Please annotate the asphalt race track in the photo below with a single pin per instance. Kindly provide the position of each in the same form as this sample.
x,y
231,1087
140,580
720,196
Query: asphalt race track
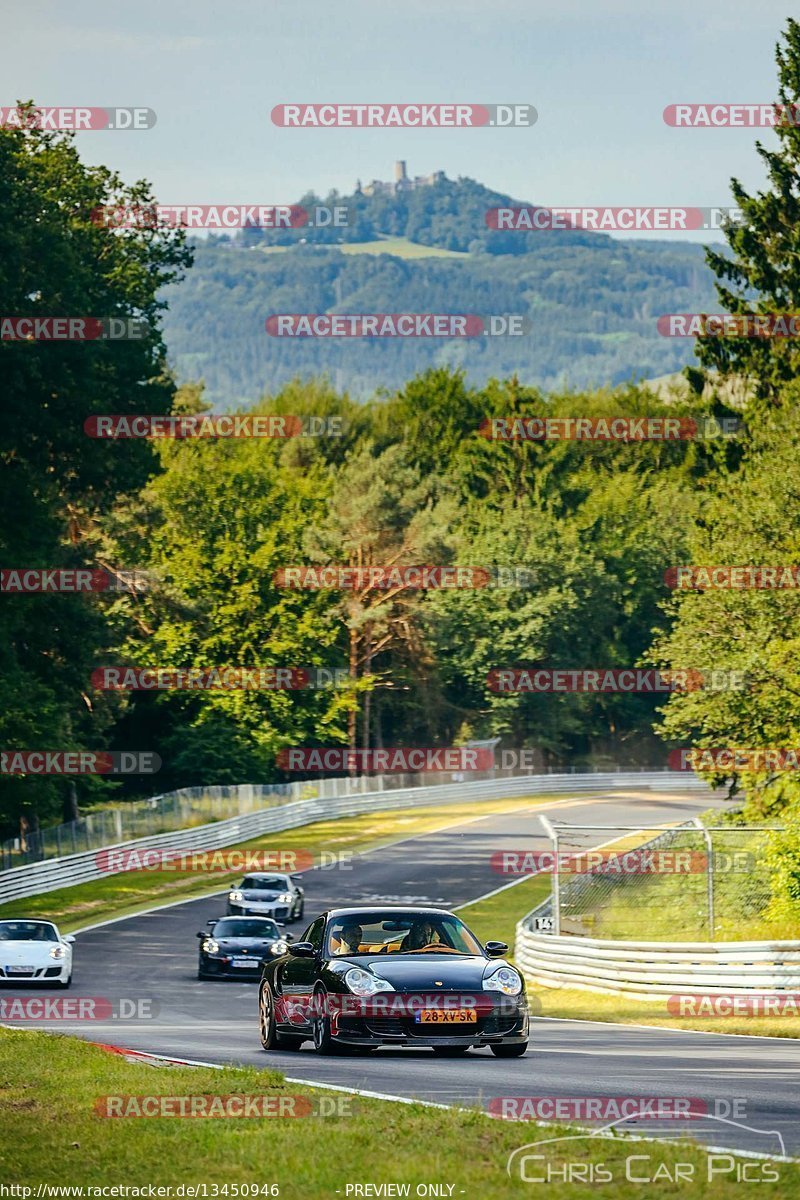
x,y
748,1082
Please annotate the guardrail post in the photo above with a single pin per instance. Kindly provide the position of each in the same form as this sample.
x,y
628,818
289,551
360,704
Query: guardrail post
x,y
555,886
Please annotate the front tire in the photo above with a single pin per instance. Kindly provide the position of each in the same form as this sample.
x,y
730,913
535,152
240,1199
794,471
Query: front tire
x,y
509,1049
324,1043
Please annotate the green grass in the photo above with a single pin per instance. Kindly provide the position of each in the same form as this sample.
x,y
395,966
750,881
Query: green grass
x,y
400,247
134,891
50,1133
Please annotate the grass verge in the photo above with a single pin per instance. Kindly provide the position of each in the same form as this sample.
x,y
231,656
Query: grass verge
x,y
52,1134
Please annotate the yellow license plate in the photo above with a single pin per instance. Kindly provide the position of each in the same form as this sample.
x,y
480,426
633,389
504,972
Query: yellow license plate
x,y
446,1016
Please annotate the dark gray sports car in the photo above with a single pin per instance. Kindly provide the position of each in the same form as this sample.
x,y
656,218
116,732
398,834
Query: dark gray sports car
x,y
368,977
235,946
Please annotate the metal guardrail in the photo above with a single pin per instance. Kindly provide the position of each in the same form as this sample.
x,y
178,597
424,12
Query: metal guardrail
x,y
52,874
648,970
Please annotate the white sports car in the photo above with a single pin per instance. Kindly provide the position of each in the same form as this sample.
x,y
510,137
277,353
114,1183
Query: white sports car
x,y
35,951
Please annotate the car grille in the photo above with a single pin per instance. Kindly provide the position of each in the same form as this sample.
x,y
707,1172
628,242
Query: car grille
x,y
386,1026
498,1022
493,1024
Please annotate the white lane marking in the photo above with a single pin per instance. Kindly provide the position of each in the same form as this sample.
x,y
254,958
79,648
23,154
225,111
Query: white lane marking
x,y
336,1087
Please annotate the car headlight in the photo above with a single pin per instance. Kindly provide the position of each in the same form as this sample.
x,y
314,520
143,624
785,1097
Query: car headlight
x,y
58,952
504,979
236,897
285,898
279,947
362,983
211,947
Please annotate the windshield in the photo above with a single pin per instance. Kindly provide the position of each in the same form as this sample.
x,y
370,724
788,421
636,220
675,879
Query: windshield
x,y
272,884
242,928
27,931
400,933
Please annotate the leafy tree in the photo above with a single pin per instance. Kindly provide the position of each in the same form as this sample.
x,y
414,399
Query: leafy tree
x,y
57,483
753,517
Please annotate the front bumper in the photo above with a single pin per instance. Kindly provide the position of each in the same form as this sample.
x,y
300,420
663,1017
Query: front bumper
x,y
223,968
55,971
243,908
499,1022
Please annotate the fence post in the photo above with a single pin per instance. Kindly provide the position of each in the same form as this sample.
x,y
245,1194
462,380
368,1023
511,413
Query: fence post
x,y
709,874
555,888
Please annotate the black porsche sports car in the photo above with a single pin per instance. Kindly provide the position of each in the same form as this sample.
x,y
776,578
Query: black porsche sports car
x,y
367,977
236,946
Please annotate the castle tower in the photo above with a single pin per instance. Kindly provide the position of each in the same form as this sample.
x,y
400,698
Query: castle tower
x,y
400,175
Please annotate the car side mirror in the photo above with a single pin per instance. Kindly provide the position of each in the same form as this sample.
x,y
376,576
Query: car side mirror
x,y
496,949
69,939
302,950
201,934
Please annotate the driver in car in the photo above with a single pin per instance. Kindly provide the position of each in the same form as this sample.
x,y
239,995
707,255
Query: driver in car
x,y
349,938
421,933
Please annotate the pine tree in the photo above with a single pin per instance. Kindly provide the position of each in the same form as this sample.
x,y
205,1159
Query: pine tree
x,y
763,273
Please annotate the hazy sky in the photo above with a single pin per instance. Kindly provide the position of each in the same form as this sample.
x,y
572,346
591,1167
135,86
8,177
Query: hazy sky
x,y
599,75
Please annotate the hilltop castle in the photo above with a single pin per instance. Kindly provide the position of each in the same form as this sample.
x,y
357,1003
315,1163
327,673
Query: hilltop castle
x,y
402,182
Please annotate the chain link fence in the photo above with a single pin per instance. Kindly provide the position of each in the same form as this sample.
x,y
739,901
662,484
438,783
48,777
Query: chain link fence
x,y
689,882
